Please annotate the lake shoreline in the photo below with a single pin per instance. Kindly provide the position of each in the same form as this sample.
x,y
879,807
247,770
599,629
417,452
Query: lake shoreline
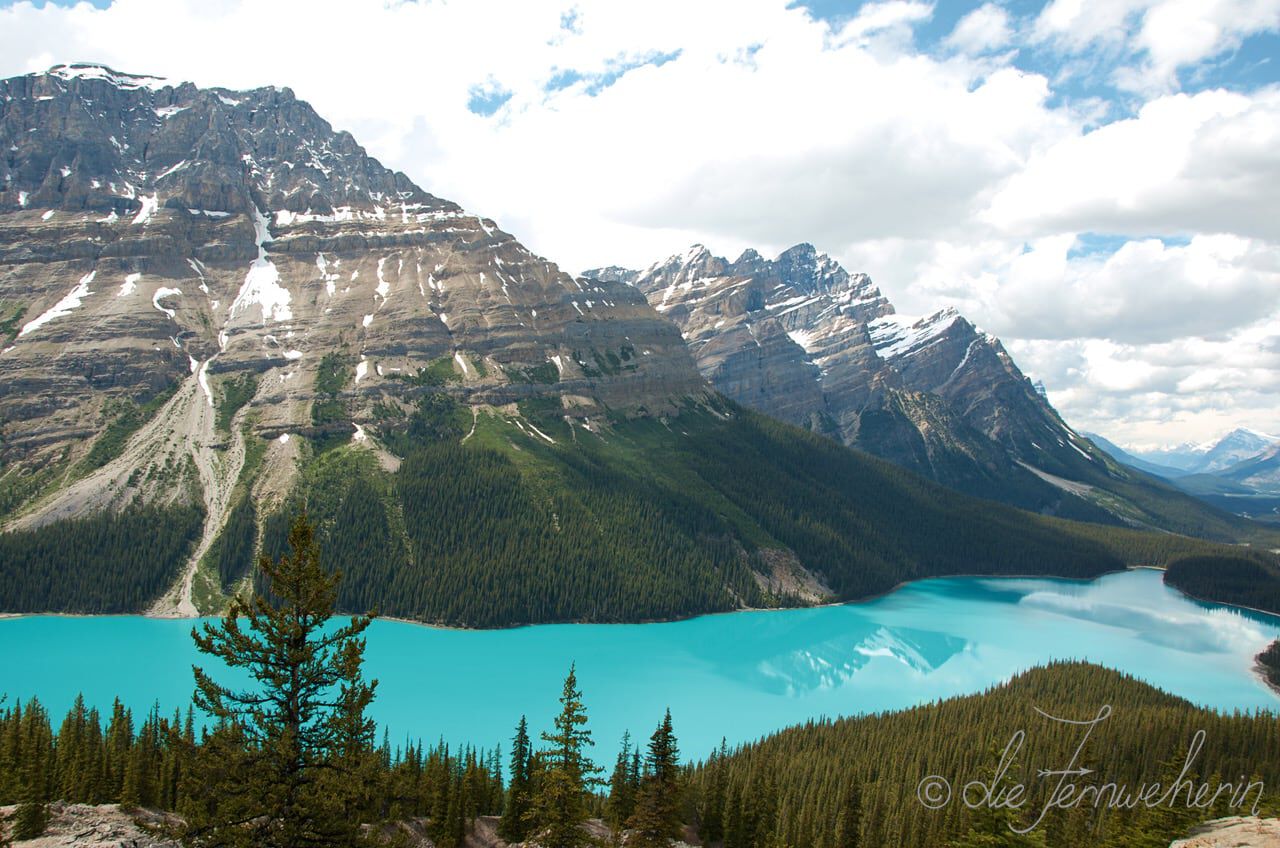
x,y
865,599
1260,671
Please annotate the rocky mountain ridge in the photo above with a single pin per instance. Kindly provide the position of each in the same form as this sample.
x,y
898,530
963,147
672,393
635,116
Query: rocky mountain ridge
x,y
180,267
802,339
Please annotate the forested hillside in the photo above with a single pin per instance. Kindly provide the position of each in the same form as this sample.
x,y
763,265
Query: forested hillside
x,y
507,518
795,788
536,520
103,563
1247,579
827,784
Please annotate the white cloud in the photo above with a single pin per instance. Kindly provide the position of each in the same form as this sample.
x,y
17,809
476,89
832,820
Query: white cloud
x,y
985,28
763,126
1160,37
1184,164
1144,292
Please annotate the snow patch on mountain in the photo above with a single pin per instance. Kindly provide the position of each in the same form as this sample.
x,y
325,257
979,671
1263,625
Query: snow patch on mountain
x,y
65,306
897,335
262,284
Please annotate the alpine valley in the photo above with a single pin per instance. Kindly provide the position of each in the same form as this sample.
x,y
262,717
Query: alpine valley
x,y
216,310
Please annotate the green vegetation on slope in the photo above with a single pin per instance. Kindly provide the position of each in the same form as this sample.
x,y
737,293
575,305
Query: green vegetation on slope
x,y
788,788
231,554
1244,578
1270,662
105,563
124,418
10,320
233,394
330,415
495,519
537,520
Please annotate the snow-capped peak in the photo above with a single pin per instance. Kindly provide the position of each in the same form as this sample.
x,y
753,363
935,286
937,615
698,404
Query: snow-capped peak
x,y
91,70
894,335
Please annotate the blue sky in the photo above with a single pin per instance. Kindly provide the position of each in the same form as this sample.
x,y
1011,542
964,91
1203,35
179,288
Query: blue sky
x,y
1095,181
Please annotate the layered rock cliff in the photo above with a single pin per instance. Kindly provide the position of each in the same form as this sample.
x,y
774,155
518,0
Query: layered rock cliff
x,y
800,338
180,267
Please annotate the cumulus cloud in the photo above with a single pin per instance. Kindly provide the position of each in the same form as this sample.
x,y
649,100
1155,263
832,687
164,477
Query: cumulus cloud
x,y
1157,37
1144,292
985,28
617,131
1184,164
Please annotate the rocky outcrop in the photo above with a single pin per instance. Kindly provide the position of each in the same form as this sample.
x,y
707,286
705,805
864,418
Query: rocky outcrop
x,y
1234,832
802,339
89,826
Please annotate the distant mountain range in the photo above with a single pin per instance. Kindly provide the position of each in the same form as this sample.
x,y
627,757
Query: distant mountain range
x,y
1239,472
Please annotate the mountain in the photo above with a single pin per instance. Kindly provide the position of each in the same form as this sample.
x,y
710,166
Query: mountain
x,y
803,340
1119,454
218,311
1260,473
192,279
1236,446
1240,473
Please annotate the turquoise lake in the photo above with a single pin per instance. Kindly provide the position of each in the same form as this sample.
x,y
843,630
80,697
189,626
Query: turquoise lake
x,y
739,675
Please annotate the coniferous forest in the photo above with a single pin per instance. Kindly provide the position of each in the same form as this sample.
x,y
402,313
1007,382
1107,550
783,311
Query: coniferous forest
x,y
656,519
653,523
104,563
294,760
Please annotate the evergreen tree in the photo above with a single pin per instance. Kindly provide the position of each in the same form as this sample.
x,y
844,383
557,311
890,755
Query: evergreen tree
x,y
849,825
514,825
119,740
276,740
994,825
656,820
32,816
1161,823
622,792
561,803
735,826
711,826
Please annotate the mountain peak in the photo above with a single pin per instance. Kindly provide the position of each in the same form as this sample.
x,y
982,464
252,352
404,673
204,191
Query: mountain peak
x,y
87,137
96,71
1249,433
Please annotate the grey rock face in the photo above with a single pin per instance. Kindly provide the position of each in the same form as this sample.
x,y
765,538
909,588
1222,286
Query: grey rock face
x,y
156,237
801,339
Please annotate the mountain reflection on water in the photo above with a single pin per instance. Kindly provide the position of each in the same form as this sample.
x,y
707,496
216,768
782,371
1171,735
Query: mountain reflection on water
x,y
737,676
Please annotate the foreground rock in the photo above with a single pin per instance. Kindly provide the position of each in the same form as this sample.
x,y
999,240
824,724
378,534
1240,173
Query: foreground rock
x,y
85,826
1235,832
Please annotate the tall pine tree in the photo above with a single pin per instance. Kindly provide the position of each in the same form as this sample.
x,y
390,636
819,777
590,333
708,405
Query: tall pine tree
x,y
568,775
514,824
265,772
622,789
656,820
